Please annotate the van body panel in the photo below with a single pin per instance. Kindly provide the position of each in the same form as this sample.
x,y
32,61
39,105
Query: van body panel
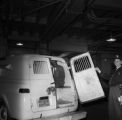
x,y
17,103
66,116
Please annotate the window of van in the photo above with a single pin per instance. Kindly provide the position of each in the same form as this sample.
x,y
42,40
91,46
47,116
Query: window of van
x,y
82,64
40,67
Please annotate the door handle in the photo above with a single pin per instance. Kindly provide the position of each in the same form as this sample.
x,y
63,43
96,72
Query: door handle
x,y
52,83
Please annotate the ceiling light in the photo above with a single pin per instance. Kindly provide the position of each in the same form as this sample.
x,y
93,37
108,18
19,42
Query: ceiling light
x,y
19,44
111,40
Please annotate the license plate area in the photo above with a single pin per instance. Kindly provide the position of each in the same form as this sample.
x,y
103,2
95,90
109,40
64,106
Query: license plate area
x,y
43,101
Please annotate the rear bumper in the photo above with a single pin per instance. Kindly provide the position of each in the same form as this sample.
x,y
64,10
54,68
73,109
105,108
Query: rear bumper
x,y
68,116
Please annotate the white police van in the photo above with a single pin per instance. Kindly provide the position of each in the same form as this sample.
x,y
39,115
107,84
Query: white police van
x,y
28,89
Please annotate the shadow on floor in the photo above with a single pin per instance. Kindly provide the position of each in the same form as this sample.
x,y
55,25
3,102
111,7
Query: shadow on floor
x,y
97,110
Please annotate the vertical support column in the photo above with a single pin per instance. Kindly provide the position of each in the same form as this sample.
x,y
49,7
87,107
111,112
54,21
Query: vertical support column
x,y
3,47
4,31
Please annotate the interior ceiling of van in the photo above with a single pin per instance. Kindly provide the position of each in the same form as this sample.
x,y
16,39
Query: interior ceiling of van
x,y
36,22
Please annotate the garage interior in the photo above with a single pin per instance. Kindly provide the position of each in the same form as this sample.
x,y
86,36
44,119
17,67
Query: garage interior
x,y
62,28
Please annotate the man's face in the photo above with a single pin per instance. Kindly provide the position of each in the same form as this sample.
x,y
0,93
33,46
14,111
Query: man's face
x,y
54,63
117,63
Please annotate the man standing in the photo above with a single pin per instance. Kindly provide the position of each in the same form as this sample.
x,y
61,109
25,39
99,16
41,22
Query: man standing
x,y
115,92
58,74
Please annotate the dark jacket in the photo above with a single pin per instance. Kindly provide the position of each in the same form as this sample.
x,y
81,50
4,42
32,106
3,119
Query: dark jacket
x,y
59,76
116,78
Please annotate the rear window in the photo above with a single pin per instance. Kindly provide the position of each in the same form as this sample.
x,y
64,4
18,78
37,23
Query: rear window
x,y
82,64
40,67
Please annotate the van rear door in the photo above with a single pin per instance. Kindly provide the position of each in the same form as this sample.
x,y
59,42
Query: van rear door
x,y
86,80
41,79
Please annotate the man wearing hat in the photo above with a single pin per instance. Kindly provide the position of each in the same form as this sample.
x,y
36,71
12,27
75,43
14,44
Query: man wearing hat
x,y
58,74
115,90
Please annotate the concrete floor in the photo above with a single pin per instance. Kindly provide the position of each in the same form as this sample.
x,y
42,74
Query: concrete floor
x,y
97,110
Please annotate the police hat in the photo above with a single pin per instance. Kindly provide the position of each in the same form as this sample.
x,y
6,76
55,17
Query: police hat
x,y
117,56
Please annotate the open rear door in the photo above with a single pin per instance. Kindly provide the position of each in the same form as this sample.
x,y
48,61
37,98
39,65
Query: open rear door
x,y
86,80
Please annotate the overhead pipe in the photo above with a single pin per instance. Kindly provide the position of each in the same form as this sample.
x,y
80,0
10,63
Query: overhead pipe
x,y
108,21
46,5
93,18
33,10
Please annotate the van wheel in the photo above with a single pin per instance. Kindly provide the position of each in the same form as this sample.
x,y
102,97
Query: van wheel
x,y
3,112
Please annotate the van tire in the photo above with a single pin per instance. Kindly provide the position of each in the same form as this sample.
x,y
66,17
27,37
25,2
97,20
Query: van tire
x,y
3,112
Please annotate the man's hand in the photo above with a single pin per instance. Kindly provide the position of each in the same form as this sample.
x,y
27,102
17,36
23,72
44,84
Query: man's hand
x,y
98,70
120,99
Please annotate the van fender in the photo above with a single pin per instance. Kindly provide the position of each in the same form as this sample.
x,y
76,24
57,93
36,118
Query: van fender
x,y
4,100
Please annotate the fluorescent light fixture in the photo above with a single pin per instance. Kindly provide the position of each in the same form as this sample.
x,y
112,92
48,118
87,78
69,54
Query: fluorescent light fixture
x,y
19,44
111,40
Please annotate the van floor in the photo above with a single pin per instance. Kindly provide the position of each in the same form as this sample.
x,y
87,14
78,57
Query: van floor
x,y
62,103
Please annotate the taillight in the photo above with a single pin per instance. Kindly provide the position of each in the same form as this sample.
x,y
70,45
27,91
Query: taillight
x,y
24,90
